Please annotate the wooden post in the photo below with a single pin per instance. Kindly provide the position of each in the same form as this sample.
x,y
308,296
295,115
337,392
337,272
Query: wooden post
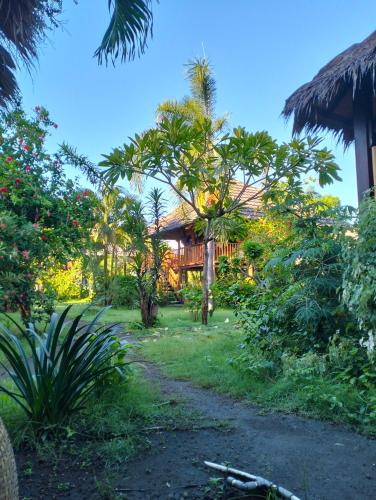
x,y
364,140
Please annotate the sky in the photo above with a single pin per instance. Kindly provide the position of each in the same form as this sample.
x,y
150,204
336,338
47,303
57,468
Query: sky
x,y
261,52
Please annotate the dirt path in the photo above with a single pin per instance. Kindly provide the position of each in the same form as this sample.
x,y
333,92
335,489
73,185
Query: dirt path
x,y
315,460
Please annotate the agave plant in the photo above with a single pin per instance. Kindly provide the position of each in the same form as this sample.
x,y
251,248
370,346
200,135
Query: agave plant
x,y
63,367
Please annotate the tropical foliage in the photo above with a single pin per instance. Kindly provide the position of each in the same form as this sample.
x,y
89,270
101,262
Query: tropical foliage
x,y
24,24
64,366
165,154
40,210
146,251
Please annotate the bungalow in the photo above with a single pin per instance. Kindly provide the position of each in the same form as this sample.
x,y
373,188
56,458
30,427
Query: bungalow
x,y
187,249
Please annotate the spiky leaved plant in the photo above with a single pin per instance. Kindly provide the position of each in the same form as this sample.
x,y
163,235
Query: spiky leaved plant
x,y
64,365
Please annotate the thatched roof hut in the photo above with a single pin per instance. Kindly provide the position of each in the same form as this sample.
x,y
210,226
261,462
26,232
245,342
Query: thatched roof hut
x,y
341,98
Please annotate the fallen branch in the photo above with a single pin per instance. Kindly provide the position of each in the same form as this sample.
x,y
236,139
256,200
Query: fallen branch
x,y
252,482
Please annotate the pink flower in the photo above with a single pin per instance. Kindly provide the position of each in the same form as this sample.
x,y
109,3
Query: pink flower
x,y
3,226
25,254
27,169
9,158
55,125
20,141
37,109
36,226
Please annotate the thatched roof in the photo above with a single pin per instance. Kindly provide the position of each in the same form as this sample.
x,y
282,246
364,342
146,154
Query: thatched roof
x,y
184,215
326,102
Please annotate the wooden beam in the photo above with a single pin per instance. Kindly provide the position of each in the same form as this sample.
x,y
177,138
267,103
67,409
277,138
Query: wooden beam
x,y
363,135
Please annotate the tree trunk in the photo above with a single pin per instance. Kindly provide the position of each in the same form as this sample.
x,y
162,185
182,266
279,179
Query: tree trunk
x,y
205,275
8,469
112,260
149,310
105,273
116,262
211,250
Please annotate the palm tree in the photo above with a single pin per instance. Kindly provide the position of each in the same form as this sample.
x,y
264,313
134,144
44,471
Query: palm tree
x,y
25,23
199,106
108,231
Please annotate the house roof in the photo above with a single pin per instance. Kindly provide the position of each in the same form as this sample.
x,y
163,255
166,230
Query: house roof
x,y
184,215
326,102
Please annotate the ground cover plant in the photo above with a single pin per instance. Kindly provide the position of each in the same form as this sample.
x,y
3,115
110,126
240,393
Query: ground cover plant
x,y
61,368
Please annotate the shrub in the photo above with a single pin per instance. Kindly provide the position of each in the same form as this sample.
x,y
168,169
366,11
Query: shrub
x,y
69,282
64,367
192,296
252,250
123,292
359,287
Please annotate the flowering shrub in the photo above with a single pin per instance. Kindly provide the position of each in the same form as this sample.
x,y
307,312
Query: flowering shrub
x,y
43,222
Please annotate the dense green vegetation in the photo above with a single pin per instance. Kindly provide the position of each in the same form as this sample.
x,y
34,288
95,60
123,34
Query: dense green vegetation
x,y
288,322
309,385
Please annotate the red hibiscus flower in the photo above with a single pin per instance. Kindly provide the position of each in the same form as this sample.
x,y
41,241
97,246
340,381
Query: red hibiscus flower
x,y
78,197
75,222
26,147
4,190
85,193
9,158
18,180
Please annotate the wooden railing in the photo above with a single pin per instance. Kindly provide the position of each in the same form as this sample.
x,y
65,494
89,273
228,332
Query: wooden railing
x,y
193,255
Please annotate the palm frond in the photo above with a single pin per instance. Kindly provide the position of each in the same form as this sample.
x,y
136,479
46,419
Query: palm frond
x,y
127,35
202,83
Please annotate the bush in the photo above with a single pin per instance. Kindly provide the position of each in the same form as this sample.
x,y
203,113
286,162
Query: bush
x,y
123,292
64,366
359,287
69,282
192,296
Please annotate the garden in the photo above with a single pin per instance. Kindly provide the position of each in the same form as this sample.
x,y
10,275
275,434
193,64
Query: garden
x,y
140,338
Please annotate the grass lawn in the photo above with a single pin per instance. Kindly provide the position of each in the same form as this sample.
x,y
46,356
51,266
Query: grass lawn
x,y
206,356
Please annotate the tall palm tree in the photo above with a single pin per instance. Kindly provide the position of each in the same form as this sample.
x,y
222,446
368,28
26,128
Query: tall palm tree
x,y
108,232
24,24
199,106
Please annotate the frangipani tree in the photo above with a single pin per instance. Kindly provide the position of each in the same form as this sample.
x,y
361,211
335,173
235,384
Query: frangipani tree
x,y
198,107
189,156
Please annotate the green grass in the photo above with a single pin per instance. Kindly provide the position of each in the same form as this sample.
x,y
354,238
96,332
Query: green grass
x,y
113,426
170,318
206,357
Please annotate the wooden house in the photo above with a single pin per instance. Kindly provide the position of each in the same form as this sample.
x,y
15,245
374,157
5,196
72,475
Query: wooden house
x,y
187,249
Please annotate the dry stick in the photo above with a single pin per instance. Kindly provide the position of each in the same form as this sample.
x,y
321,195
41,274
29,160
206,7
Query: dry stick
x,y
253,482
